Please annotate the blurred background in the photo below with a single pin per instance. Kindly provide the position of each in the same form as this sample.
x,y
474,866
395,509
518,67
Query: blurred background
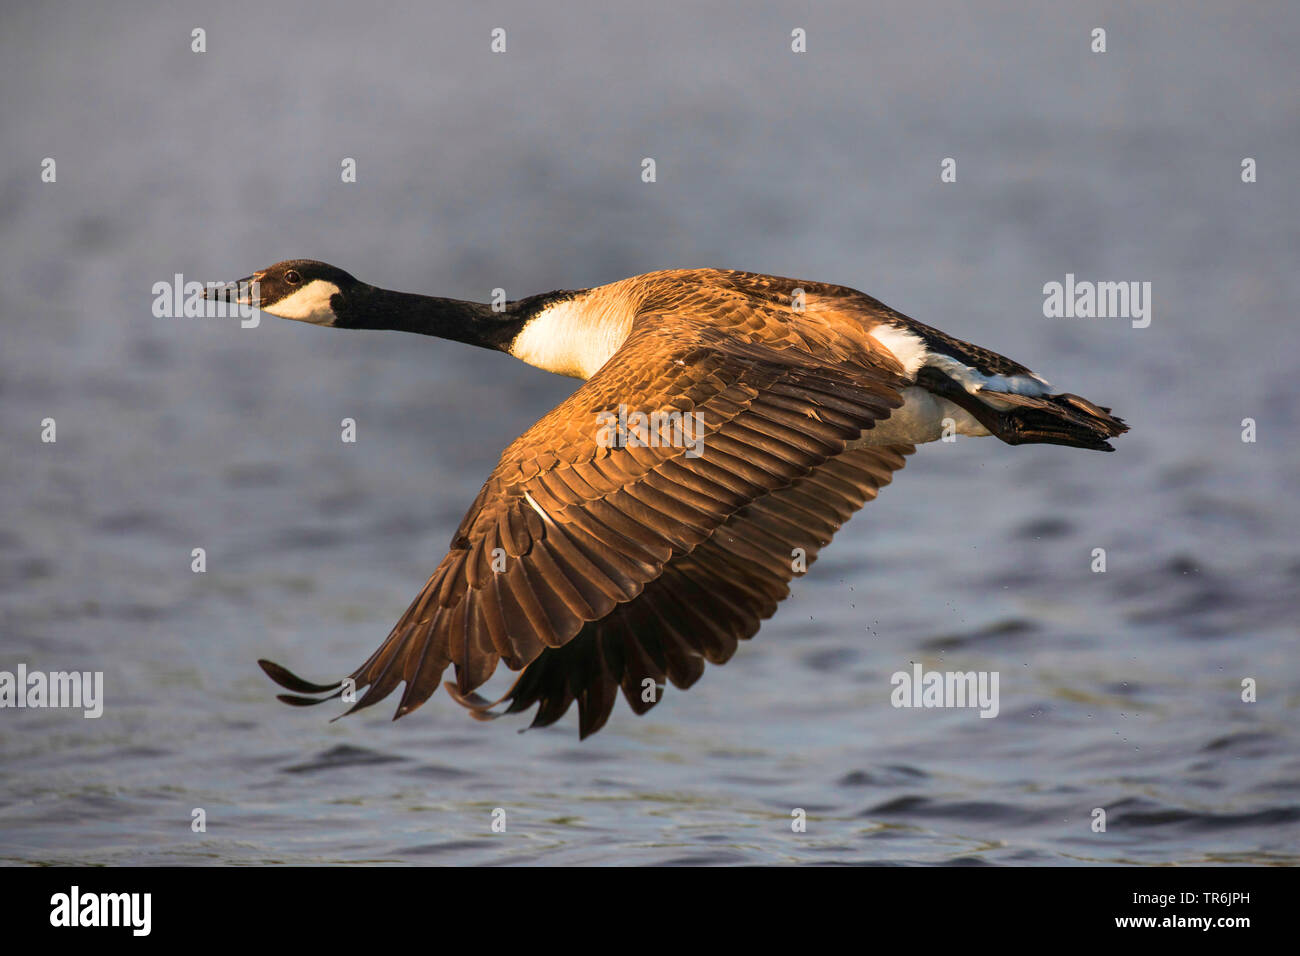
x,y
1119,690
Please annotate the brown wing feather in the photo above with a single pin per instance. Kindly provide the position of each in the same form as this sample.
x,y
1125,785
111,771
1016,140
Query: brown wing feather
x,y
703,603
585,528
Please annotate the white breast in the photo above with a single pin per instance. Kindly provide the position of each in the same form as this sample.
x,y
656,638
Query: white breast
x,y
574,337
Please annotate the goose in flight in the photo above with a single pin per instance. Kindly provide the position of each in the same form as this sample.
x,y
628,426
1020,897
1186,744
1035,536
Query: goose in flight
x,y
728,424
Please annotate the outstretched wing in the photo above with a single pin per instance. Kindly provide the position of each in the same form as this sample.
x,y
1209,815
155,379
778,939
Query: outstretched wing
x,y
703,603
568,529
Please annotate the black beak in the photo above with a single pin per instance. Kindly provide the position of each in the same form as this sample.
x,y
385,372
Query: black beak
x,y
240,292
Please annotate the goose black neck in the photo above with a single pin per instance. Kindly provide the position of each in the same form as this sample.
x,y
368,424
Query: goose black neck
x,y
474,323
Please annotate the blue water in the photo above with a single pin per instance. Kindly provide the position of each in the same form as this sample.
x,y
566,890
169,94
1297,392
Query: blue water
x,y
1119,691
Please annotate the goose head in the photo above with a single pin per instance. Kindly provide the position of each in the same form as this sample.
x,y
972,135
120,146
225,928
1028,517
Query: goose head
x,y
300,289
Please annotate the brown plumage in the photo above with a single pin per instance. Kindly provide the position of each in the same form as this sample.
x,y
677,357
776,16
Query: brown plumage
x,y
595,569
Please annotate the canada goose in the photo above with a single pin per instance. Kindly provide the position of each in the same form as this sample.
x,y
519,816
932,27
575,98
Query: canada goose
x,y
591,564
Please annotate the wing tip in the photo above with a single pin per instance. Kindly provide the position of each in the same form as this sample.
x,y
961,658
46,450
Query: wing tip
x,y
291,681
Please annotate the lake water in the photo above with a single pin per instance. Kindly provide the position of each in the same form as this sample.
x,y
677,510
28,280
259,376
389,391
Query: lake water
x,y
1118,690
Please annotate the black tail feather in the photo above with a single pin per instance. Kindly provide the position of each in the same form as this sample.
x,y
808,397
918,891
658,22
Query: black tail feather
x,y
1063,419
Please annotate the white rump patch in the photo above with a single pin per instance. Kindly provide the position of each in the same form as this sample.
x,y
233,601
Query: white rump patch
x,y
907,347
923,416
311,304
975,382
910,350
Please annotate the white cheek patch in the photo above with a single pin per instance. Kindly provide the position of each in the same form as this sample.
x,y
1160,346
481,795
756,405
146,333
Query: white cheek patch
x,y
311,304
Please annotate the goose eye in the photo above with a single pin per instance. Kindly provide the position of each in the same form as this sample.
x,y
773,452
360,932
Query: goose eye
x,y
292,277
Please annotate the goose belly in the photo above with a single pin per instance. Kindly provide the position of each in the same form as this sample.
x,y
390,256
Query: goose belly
x,y
922,418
